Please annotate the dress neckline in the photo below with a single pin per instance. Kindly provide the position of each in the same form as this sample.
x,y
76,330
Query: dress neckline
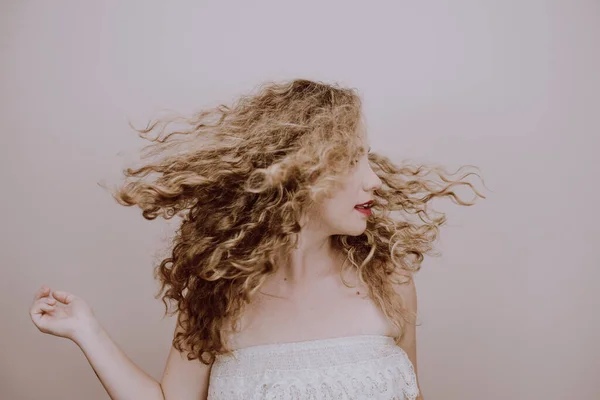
x,y
317,343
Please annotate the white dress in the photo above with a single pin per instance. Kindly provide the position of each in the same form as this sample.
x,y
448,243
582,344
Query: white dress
x,y
354,367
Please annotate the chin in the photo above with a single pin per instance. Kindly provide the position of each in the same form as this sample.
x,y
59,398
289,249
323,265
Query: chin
x,y
355,231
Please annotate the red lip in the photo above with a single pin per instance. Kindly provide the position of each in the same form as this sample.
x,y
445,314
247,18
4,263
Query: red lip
x,y
365,208
365,211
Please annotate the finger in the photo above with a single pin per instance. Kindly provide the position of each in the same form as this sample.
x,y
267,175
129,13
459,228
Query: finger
x,y
47,307
40,307
43,301
42,292
62,296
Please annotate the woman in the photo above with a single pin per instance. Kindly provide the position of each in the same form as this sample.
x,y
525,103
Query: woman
x,y
290,277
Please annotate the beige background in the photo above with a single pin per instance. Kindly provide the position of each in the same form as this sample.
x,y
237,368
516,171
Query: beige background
x,y
509,311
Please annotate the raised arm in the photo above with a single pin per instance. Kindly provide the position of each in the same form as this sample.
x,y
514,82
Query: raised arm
x,y
65,315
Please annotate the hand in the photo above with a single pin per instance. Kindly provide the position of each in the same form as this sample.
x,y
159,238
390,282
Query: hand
x,y
62,314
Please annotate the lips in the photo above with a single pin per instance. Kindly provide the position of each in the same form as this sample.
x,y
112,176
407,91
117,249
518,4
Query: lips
x,y
364,208
365,205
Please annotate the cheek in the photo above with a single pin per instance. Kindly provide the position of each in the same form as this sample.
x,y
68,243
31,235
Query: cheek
x,y
339,207
342,203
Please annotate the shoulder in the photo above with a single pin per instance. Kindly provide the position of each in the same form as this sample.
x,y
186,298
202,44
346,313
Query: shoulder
x,y
407,289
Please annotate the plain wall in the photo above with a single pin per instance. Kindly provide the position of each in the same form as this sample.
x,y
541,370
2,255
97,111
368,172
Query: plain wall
x,y
510,310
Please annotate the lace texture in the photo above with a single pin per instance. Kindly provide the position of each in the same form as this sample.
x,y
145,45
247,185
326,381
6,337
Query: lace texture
x,y
356,367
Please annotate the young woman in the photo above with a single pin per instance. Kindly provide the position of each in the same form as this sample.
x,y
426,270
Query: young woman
x,y
290,277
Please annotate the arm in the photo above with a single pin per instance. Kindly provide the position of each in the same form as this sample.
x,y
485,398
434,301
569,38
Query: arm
x,y
66,315
183,379
408,292
123,380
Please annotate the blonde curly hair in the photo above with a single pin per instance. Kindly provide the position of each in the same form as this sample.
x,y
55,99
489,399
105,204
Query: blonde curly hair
x,y
242,176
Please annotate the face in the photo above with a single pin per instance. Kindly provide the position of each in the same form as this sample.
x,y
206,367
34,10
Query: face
x,y
338,214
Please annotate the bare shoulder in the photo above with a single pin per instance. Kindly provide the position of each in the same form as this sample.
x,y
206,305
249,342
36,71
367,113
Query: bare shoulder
x,y
184,379
408,291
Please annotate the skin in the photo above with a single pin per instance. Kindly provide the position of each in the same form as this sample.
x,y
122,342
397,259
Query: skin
x,y
304,300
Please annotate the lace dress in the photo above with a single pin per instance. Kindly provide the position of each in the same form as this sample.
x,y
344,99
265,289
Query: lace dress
x,y
356,367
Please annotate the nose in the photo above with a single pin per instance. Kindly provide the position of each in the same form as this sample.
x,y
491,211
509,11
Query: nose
x,y
373,182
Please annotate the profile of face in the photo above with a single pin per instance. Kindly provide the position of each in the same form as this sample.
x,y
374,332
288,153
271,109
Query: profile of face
x,y
338,214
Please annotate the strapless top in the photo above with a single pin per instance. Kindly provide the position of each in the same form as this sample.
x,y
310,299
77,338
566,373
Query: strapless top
x,y
354,367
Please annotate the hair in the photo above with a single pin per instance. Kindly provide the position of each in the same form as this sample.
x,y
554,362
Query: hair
x,y
240,177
